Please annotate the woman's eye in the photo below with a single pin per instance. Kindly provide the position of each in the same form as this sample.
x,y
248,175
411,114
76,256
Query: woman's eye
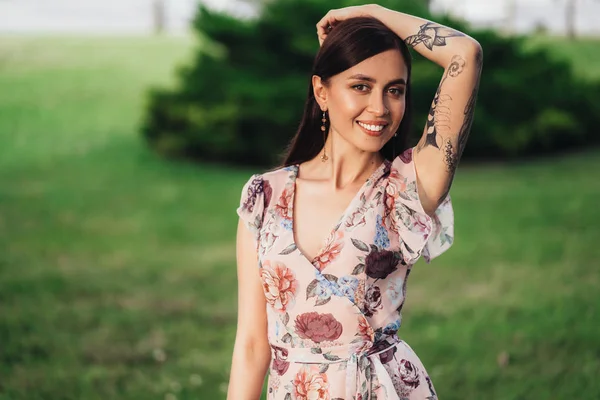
x,y
397,91
361,87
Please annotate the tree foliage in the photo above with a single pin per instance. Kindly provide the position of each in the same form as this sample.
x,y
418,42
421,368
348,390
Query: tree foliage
x,y
241,98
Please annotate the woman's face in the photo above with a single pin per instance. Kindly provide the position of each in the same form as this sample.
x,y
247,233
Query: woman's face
x,y
366,103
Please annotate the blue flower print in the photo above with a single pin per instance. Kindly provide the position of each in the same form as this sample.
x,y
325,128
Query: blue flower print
x,y
286,224
348,280
381,235
348,291
320,276
323,291
392,327
335,289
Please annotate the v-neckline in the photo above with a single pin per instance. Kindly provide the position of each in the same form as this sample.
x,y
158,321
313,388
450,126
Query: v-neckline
x,y
292,212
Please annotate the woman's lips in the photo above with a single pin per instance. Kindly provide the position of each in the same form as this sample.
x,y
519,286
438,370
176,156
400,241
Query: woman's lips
x,y
372,128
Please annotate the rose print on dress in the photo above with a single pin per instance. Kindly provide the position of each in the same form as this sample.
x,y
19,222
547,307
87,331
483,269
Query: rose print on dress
x,y
310,384
357,219
397,185
372,301
379,264
420,225
332,250
406,379
406,157
394,190
365,335
279,285
318,327
280,365
256,187
409,374
365,330
271,232
389,204
283,208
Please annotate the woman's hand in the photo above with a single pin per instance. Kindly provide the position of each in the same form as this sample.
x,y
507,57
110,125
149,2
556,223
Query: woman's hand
x,y
330,19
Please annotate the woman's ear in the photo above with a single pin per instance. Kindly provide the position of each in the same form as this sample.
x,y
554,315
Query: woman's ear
x,y
320,91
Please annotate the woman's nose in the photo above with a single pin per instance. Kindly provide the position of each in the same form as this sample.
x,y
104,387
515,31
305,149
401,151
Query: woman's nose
x,y
377,105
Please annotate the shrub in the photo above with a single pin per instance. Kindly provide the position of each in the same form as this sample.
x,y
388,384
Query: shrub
x,y
241,99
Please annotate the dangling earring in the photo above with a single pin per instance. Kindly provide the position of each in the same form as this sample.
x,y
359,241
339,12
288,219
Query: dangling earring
x,y
394,145
324,129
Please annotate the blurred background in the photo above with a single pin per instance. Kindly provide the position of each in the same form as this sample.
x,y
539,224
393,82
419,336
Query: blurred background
x,y
127,129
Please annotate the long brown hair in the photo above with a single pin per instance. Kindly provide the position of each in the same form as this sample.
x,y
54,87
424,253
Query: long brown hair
x,y
347,44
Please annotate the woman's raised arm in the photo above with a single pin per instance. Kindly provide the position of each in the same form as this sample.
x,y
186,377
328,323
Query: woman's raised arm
x,y
451,115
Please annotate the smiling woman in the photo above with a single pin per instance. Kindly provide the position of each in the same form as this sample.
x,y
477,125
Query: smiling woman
x,y
376,85
353,71
336,230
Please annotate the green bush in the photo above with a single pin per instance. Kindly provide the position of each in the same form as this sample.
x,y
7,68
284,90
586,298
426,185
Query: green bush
x,y
241,99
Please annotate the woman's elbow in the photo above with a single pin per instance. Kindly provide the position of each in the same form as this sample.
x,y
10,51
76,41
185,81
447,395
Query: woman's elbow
x,y
253,349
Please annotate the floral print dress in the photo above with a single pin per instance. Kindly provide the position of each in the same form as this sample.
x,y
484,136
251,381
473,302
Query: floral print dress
x,y
333,320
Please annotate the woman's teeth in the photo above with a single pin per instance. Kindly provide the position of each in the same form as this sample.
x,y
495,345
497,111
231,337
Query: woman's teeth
x,y
373,128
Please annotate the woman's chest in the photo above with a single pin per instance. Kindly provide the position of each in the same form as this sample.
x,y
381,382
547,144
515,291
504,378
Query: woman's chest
x,y
317,216
358,232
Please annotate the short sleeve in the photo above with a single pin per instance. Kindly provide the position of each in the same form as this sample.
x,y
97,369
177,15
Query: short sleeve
x,y
418,232
255,195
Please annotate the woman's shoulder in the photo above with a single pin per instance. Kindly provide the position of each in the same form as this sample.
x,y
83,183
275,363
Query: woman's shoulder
x,y
278,174
268,184
272,176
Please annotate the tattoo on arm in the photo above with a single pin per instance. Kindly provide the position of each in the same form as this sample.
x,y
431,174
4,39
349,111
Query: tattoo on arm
x,y
456,67
430,137
432,34
438,120
452,156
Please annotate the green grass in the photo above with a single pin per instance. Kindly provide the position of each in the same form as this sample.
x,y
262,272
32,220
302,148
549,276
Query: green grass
x,y
117,268
583,53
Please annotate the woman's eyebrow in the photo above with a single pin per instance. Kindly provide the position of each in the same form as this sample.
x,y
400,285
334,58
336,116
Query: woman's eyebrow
x,y
362,77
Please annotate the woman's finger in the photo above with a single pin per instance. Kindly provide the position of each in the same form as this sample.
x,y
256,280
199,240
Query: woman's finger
x,y
325,20
334,16
329,21
322,35
322,26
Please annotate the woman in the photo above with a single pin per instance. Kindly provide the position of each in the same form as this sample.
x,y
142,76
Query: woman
x,y
319,307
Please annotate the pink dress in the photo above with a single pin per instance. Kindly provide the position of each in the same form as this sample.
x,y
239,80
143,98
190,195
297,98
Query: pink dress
x,y
333,320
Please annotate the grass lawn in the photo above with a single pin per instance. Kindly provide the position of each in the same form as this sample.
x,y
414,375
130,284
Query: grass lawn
x,y
117,268
583,53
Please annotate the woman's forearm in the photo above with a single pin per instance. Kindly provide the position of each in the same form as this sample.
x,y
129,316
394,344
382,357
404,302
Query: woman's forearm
x,y
248,370
436,42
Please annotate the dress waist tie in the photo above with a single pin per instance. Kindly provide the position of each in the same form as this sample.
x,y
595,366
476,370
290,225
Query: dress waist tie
x,y
363,366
